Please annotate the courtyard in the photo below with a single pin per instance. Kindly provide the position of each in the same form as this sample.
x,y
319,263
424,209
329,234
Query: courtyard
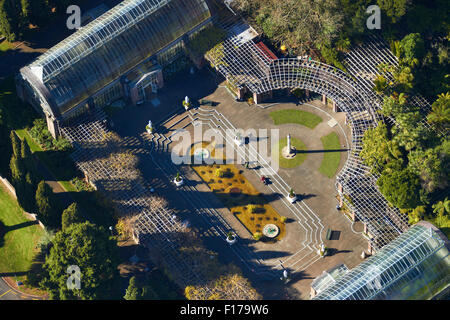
x,y
306,221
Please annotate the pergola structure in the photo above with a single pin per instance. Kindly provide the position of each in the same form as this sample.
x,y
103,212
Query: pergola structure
x,y
155,227
248,68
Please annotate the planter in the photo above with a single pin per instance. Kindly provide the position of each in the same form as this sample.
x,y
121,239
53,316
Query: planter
x,y
239,141
231,241
291,199
186,106
179,182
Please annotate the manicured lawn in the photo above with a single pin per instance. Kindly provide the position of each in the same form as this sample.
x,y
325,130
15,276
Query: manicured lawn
x,y
5,46
298,159
301,117
331,159
17,247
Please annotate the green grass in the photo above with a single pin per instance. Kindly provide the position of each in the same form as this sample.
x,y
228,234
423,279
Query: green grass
x,y
298,159
5,46
330,162
18,246
301,117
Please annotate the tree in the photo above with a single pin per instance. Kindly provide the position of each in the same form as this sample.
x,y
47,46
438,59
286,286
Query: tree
x,y
46,206
94,252
231,286
442,207
410,132
15,143
39,11
412,49
378,150
298,24
394,9
17,168
71,215
429,166
401,188
133,292
440,114
26,191
416,214
10,19
25,151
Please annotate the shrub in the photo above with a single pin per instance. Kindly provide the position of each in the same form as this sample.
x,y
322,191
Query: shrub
x,y
257,236
220,173
283,219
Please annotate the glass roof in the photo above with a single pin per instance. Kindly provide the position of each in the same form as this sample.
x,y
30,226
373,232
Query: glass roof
x,y
411,266
113,44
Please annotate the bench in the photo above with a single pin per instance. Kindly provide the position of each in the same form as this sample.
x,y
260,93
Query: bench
x,y
329,232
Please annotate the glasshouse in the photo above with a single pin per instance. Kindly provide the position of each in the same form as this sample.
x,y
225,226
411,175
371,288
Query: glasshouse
x,y
413,266
93,66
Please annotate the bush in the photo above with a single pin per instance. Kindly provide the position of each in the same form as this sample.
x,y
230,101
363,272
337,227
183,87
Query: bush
x,y
283,219
43,137
257,236
220,173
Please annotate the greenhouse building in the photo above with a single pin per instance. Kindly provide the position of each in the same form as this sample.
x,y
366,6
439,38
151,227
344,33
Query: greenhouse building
x,y
120,54
415,266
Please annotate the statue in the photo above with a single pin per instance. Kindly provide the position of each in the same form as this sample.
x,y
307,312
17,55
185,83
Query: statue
x,y
288,152
289,149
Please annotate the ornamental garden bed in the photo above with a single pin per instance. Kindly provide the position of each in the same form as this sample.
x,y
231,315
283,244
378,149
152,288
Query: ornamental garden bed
x,y
237,194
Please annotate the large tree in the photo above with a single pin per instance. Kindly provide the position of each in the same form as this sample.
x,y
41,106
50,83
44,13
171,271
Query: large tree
x,y
440,114
378,149
93,251
401,188
48,211
299,24
10,19
72,215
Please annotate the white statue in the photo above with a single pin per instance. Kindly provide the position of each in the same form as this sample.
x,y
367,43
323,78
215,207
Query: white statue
x,y
289,149
186,100
150,123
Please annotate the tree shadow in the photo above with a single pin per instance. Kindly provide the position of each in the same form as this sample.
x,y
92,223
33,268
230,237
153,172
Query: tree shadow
x,y
2,234
21,225
333,251
13,274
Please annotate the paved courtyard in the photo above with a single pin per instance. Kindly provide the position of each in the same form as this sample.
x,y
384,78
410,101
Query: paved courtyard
x,y
308,219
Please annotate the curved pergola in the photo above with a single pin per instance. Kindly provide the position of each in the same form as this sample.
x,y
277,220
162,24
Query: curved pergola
x,y
246,66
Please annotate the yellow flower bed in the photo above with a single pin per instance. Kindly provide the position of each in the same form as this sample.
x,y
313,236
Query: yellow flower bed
x,y
237,194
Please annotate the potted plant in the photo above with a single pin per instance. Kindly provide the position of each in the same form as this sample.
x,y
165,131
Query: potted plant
x,y
322,250
291,196
149,127
238,139
257,235
186,103
178,180
231,238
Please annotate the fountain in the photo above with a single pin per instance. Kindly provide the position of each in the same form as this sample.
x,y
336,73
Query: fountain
x,y
270,230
